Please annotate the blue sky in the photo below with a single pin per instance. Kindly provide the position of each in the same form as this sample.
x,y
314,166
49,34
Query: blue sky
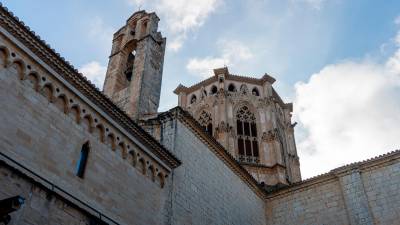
x,y
337,60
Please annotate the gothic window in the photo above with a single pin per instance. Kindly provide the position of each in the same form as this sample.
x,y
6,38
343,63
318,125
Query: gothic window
x,y
129,65
193,99
247,135
80,170
214,90
255,92
231,88
205,121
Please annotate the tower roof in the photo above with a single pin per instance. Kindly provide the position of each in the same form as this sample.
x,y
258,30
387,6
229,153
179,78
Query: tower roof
x,y
228,76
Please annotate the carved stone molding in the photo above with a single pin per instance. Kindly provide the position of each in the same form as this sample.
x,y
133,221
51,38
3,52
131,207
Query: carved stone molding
x,y
270,135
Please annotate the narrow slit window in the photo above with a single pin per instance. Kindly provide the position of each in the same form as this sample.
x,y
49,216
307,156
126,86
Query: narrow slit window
x,y
80,170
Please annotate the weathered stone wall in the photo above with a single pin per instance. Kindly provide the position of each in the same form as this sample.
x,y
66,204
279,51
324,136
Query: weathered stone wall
x,y
138,95
382,189
364,193
41,206
42,129
205,190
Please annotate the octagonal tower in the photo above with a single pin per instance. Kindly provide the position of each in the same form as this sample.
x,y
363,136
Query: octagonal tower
x,y
250,120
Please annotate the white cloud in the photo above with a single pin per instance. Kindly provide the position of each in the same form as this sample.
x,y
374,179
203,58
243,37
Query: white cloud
x,y
316,4
350,111
95,72
100,33
181,16
232,53
203,67
397,20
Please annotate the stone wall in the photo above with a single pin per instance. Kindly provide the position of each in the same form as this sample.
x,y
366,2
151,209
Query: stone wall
x,y
41,205
205,190
361,193
43,125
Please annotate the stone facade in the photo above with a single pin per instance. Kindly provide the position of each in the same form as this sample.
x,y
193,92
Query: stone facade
x,y
134,72
42,204
361,193
250,120
79,157
49,111
206,188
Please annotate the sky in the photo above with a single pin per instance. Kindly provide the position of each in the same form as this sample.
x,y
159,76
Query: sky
x,y
338,61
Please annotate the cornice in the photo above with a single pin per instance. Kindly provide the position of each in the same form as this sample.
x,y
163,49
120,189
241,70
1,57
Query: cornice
x,y
228,77
333,175
53,59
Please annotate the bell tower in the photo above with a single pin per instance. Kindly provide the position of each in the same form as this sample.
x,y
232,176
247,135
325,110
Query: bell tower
x,y
134,73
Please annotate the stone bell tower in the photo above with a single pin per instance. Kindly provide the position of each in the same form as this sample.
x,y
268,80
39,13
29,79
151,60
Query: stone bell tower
x,y
134,73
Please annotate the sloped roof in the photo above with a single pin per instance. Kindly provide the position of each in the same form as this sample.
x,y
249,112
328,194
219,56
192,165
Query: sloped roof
x,y
38,46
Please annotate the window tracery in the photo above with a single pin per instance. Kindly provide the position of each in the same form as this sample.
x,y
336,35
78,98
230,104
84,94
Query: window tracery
x,y
246,129
205,121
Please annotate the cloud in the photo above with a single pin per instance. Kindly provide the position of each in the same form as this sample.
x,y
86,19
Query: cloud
x,y
95,72
203,67
316,4
232,53
100,33
349,111
397,20
181,16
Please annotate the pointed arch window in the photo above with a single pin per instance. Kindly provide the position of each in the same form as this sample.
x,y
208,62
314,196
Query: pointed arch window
x,y
246,129
129,65
213,90
255,92
80,170
193,99
205,121
231,88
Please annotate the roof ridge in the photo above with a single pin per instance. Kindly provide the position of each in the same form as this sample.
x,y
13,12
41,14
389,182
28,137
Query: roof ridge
x,y
77,79
372,159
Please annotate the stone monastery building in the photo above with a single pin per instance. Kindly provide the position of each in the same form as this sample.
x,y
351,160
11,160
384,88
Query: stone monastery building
x,y
226,155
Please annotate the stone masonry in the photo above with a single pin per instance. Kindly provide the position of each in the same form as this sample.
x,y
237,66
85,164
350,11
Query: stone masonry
x,y
80,156
250,120
134,72
360,193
